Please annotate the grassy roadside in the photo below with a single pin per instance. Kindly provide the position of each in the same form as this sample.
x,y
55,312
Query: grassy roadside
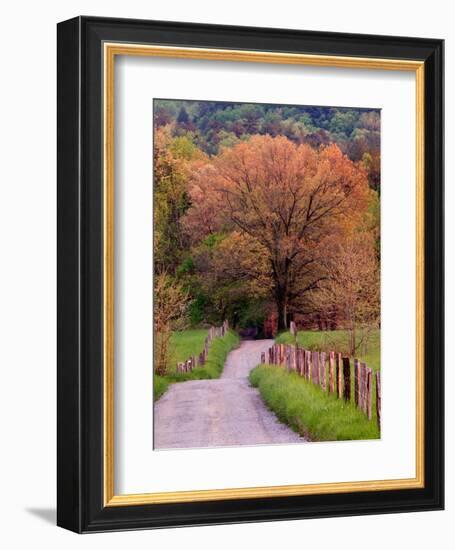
x,y
336,340
184,344
308,410
190,342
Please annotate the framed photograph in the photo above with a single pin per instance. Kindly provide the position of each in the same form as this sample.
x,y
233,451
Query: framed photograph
x,y
250,274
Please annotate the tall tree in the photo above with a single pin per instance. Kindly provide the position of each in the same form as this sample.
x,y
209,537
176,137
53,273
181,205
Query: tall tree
x,y
352,284
173,158
170,308
287,198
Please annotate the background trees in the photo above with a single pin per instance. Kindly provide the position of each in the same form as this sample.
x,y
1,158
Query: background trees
x,y
172,166
262,204
213,125
351,288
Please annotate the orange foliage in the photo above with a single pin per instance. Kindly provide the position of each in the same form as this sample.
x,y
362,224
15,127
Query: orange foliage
x,y
286,199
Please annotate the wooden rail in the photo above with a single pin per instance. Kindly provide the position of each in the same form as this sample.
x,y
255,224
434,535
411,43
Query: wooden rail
x,y
312,365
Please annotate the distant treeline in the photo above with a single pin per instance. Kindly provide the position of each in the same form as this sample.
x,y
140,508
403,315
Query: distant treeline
x,y
212,125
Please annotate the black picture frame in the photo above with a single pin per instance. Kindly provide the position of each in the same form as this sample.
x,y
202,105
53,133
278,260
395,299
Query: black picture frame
x,y
80,474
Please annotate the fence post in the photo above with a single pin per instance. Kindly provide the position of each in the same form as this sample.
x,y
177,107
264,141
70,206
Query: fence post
x,y
339,376
363,389
322,371
287,356
308,364
263,357
293,328
347,378
331,372
315,373
356,382
378,398
369,391
293,358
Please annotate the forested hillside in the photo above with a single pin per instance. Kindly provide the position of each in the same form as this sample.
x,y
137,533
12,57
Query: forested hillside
x,y
265,211
213,125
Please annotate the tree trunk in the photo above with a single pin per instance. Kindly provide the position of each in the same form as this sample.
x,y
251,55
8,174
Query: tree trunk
x,y
281,310
353,340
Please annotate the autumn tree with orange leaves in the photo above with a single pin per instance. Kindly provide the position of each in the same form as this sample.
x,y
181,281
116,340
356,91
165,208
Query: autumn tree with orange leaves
x,y
351,287
286,201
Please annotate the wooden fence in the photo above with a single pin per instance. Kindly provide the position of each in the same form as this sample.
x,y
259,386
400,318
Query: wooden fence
x,y
332,372
199,360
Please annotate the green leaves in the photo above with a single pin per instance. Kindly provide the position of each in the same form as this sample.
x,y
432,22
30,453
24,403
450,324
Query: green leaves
x,y
214,125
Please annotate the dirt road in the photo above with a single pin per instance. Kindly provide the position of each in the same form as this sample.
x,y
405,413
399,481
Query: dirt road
x,y
223,412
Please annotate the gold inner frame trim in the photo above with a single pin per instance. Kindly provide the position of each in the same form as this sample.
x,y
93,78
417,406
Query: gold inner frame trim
x,y
110,50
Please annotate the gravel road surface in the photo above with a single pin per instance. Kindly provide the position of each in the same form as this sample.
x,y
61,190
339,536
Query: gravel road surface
x,y
222,412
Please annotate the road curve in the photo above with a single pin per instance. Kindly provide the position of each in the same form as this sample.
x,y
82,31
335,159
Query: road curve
x,y
222,412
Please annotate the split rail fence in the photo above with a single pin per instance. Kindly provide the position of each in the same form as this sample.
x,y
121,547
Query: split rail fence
x,y
199,360
334,377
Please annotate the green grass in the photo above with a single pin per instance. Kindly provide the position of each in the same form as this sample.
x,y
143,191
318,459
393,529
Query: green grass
x,y
336,340
190,342
184,344
160,385
308,410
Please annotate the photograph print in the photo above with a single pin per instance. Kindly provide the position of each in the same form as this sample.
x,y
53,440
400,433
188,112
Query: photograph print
x,y
266,274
